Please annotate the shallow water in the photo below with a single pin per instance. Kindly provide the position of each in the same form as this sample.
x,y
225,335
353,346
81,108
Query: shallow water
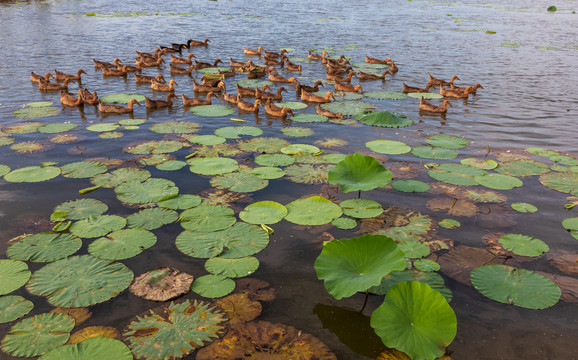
x,y
528,78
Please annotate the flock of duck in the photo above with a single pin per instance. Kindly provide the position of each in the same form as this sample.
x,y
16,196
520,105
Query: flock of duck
x,y
213,85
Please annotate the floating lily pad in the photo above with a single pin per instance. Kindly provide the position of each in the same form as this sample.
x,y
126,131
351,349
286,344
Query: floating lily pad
x,y
212,110
99,348
365,65
425,95
97,225
524,207
122,244
385,95
121,98
155,147
564,160
523,245
36,112
455,174
293,105
27,147
313,210
389,147
413,249
6,141
334,158
252,83
91,332
213,70
13,274
307,174
299,149
44,247
263,212
213,165
161,284
427,265
39,104
384,119
522,167
571,225
309,118
447,141
103,127
449,223
80,314
436,153
26,127
234,132
297,131
213,286
266,172
349,107
359,172
232,268
32,174
207,139
4,169
111,135
410,186
240,181
55,128
131,122
498,181
240,308
82,208
263,145
176,127
208,218
331,142
180,202
13,307
435,281
152,218
344,223
171,165
563,182
483,164
149,191
83,169
361,208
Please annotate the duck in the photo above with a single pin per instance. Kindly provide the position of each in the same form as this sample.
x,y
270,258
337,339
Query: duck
x,y
256,74
310,89
275,77
249,51
247,106
203,65
266,95
227,73
250,92
337,70
427,107
230,98
47,86
130,68
106,65
437,82
112,72
213,82
89,98
252,66
273,54
275,110
347,87
191,101
237,64
273,61
180,60
151,57
341,79
412,89
455,93
144,79
174,48
117,109
192,43
330,114
371,60
392,67
472,91
366,76
290,66
37,78
341,62
157,86
60,76
68,100
150,63
206,88
175,69
160,104
313,56
308,97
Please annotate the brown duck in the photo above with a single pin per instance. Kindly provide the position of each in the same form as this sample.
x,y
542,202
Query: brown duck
x,y
347,87
144,79
341,79
413,89
330,114
300,87
275,110
206,88
68,100
308,97
313,56
392,67
60,76
427,107
192,42
150,63
290,66
160,104
191,101
180,60
249,51
89,98
175,69
204,65
371,60
37,78
266,95
250,92
47,86
437,82
274,55
106,65
366,76
117,109
275,77
462,89
112,72
157,86
455,93
247,106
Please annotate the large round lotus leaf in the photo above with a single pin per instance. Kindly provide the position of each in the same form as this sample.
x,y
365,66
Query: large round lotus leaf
x,y
44,247
309,118
212,110
263,212
121,98
426,95
307,174
410,186
39,104
152,218
389,147
238,241
103,127
350,265
155,147
349,107
483,164
97,225
449,223
4,169
36,335
213,70
427,265
344,223
174,332
36,112
149,191
293,105
447,141
32,174
313,210
119,176
359,172
213,286
564,160
207,139
83,169
232,268
55,128
361,208
132,122
22,128
413,249
564,182
122,244
522,167
384,119
508,285
13,274
252,83
180,202
300,149
240,181
176,127
415,319
428,152
498,181
161,284
333,158
82,208
208,218
13,307
234,132
99,348
523,245
80,281
266,172
435,281
213,165
297,131
456,174
524,207
263,145
385,95
364,65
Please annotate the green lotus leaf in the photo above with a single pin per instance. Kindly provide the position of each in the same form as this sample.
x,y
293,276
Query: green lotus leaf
x,y
300,60
180,202
13,307
119,176
263,145
364,65
361,208
415,319
428,152
384,119
36,335
149,191
307,174
418,226
121,98
208,218
389,147
176,331
213,165
36,112
350,265
213,70
238,241
212,110
523,245
226,150
571,224
293,105
55,128
234,132
334,158
213,286
563,182
484,196
456,174
349,107
300,149
564,160
44,247
263,212
297,131
522,167
359,172
447,141
26,127
206,139
385,95
79,281
131,122
410,186
240,181
435,281
103,127
122,244
508,285
176,127
252,83
266,172
82,208
344,223
100,348
152,218
413,249
155,147
274,160
341,96
97,225
32,174
483,164
426,95
83,169
4,169
6,141
309,118
449,224
13,274
498,181
524,207
427,265
313,210
39,104
232,268
541,151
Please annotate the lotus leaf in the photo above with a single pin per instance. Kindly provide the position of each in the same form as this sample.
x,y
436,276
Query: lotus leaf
x,y
449,223
524,207
27,147
268,173
364,65
334,158
232,268
252,83
161,284
82,208
32,174
297,131
213,70
263,212
385,95
359,172
26,127
240,181
79,281
571,225
307,174
523,245
426,95
44,247
217,150
331,142
213,286
456,174
563,182
427,265
13,274
508,285
91,332
121,98
6,141
350,265
361,208
97,225
240,308
152,218
208,218
36,335
413,249
212,110
419,225
435,281
111,135
122,244
234,132
389,147
313,210
238,241
13,307
349,107
410,186
206,139
498,181
263,145
103,127
55,128
155,147
299,149
4,169
428,152
174,332
483,164
293,105
564,160
447,141
309,118
415,319
36,112
39,104
274,160
522,167
149,191
99,348
83,169
176,127
344,223
180,202
79,314
213,165
131,122
384,119
119,176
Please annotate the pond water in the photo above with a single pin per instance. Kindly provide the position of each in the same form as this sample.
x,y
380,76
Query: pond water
x,y
528,77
